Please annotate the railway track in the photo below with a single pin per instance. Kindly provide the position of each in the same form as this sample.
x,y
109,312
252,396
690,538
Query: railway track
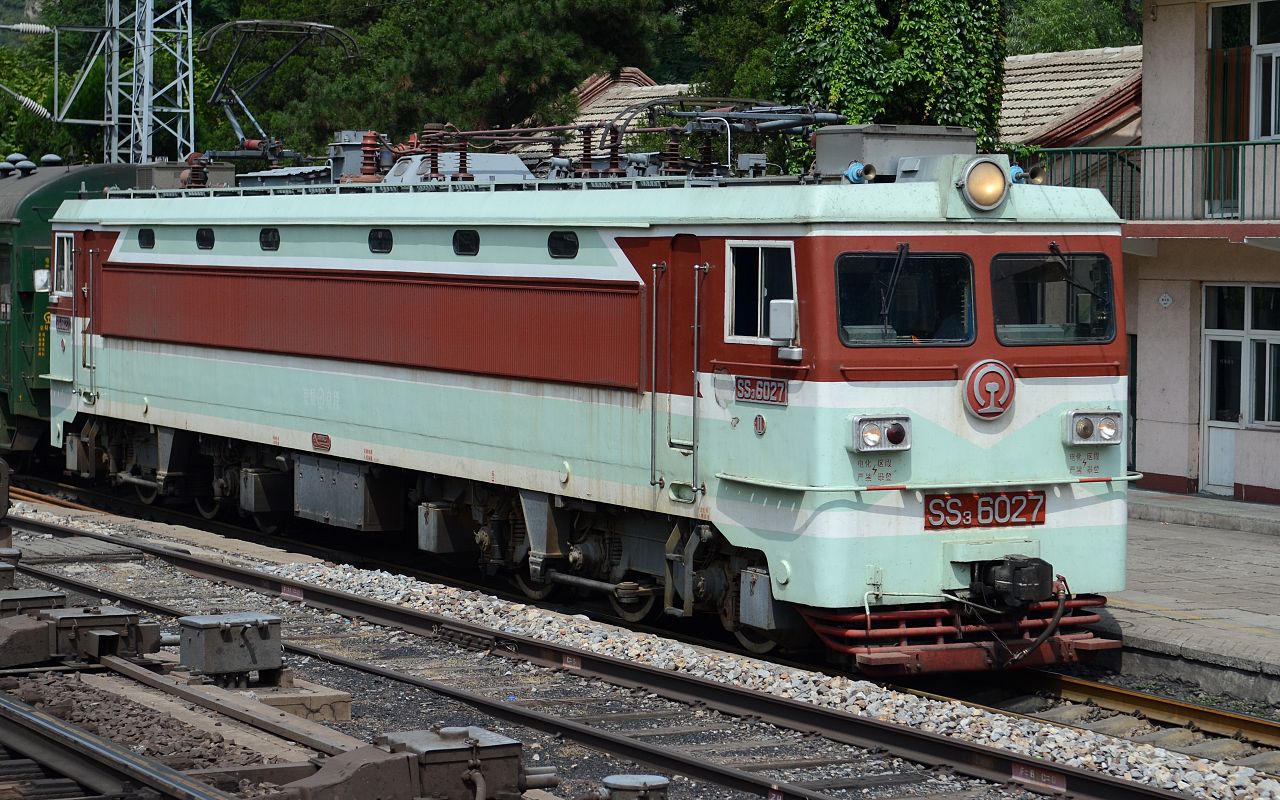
x,y
1166,722
926,750
1026,692
45,758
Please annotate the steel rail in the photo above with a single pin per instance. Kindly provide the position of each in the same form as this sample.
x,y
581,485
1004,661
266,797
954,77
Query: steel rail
x,y
1153,707
967,758
90,760
617,744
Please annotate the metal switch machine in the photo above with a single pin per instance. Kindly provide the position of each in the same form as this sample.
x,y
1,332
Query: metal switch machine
x,y
227,647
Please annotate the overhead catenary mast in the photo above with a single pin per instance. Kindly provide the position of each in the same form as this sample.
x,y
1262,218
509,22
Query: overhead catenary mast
x,y
146,48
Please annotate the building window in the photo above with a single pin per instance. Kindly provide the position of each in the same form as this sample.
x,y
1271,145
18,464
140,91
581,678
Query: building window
x,y
63,266
758,273
380,240
466,243
1244,62
146,238
562,244
269,238
1243,323
204,238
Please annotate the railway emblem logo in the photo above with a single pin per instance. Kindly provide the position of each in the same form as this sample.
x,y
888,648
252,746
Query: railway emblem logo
x,y
988,389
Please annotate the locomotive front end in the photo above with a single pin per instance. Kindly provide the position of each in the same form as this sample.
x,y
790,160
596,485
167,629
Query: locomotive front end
x,y
993,466
964,480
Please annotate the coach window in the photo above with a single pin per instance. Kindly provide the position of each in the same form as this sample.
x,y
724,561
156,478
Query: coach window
x,y
204,238
758,273
269,238
901,298
380,240
63,279
146,238
562,244
466,243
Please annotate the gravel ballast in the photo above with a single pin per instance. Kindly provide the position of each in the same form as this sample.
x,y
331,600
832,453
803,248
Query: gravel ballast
x,y
1143,763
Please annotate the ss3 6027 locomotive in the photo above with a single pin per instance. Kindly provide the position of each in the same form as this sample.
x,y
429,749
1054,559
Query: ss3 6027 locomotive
x,y
876,406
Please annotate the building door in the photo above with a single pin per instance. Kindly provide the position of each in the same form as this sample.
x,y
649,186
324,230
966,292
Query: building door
x,y
1223,408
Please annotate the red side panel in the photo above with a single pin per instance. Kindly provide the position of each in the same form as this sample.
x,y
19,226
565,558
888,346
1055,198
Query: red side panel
x,y
583,332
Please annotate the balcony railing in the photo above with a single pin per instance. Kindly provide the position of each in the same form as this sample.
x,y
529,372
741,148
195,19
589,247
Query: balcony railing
x,y
1231,180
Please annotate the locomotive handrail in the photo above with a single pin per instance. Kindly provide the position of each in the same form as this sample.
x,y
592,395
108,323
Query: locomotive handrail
x,y
907,487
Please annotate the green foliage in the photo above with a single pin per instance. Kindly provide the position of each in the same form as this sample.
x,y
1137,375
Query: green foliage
x,y
897,61
737,42
1048,26
472,64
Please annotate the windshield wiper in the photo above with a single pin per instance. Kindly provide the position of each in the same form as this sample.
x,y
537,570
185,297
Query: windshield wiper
x,y
1067,276
886,297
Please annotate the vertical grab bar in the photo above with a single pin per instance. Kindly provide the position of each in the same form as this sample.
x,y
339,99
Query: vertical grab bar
x,y
653,374
699,270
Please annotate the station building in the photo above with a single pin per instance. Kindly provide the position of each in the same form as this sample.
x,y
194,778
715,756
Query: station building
x,y
1183,136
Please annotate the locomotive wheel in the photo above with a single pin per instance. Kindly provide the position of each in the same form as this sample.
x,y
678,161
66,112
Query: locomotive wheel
x,y
209,507
754,641
148,495
636,610
534,590
266,522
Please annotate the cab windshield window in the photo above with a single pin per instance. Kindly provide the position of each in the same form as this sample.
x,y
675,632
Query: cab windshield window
x,y
1052,298
904,298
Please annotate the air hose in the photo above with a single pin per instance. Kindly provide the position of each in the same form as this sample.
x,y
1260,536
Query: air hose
x,y
1048,629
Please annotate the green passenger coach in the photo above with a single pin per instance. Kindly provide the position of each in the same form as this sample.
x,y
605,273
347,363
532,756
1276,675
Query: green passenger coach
x,y
29,196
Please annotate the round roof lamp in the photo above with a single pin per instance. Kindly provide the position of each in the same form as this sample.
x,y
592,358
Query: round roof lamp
x,y
984,184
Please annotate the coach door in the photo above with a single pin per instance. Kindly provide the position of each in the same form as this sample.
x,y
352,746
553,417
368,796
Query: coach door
x,y
681,299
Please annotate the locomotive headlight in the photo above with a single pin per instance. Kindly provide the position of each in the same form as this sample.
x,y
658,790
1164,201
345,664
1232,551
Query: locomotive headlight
x,y
1084,428
983,184
881,434
1108,429
1094,427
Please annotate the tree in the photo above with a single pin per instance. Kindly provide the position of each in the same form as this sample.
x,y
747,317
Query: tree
x,y
475,65
897,61
1049,26
737,42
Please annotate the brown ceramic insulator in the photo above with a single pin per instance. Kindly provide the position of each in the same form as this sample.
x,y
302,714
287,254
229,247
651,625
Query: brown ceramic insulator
x,y
615,145
369,149
586,165
706,160
463,173
198,175
672,161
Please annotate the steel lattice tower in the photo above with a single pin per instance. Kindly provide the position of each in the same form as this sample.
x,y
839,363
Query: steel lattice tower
x,y
150,80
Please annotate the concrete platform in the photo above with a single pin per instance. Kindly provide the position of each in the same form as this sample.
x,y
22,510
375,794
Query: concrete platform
x,y
1204,511
1203,596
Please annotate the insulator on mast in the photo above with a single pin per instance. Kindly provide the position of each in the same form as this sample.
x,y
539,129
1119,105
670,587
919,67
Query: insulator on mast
x,y
34,28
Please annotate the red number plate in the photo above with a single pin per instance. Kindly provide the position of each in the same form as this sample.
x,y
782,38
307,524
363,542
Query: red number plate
x,y
760,390
988,510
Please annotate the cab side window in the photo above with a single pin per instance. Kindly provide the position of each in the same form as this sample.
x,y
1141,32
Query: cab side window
x,y
63,267
757,274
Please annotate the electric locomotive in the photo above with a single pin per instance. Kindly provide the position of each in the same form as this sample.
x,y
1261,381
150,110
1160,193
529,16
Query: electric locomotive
x,y
879,405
